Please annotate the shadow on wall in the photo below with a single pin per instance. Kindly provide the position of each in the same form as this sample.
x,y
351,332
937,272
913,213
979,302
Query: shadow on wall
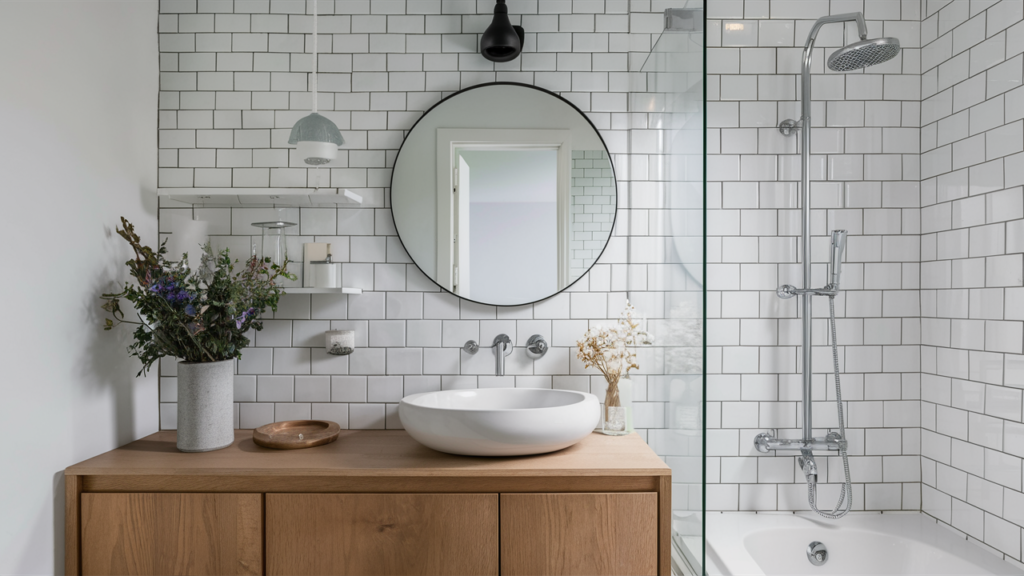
x,y
106,367
106,371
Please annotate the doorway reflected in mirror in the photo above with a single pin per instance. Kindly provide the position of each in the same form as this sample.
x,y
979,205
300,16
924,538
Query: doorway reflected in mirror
x,y
504,194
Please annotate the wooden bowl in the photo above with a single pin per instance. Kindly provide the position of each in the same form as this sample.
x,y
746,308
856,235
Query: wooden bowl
x,y
295,434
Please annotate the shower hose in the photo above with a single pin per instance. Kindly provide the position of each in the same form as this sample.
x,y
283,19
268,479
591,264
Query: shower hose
x,y
846,494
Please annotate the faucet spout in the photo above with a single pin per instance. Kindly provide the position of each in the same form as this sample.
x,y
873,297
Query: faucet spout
x,y
502,347
808,465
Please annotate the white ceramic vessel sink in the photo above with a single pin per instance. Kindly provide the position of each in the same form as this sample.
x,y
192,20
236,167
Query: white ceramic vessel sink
x,y
499,421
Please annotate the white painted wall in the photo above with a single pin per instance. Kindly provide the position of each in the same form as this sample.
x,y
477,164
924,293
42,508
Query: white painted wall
x,y
78,114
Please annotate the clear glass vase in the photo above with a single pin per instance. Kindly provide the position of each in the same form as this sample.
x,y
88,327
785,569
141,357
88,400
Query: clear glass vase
x,y
614,412
273,243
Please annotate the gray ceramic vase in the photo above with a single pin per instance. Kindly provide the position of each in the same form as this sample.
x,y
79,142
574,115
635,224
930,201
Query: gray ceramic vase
x,y
206,419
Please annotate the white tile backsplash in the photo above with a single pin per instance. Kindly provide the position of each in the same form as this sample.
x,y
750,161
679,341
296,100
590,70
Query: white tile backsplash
x,y
232,85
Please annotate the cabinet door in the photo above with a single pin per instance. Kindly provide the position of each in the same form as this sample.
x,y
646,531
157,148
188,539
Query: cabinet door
x,y
172,534
579,533
382,534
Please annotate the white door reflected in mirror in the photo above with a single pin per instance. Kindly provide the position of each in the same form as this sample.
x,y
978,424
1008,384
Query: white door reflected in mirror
x,y
524,201
501,194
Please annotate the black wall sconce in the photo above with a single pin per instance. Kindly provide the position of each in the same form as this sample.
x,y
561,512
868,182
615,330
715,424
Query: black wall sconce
x,y
501,42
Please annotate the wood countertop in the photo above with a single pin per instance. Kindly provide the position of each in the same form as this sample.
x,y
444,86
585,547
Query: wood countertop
x,y
369,453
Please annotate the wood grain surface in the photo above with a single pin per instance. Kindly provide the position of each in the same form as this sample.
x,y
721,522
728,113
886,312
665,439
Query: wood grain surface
x,y
372,534
579,534
118,505
372,452
194,534
359,484
296,434
665,526
72,521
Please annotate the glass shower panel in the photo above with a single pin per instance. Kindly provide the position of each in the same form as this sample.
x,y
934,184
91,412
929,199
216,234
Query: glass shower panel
x,y
667,141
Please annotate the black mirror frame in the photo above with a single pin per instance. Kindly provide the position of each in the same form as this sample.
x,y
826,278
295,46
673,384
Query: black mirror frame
x,y
615,179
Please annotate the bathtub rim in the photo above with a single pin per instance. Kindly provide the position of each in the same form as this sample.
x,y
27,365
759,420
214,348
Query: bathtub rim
x,y
740,525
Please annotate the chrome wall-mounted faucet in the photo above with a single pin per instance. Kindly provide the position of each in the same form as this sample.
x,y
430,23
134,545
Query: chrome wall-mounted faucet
x,y
502,346
536,348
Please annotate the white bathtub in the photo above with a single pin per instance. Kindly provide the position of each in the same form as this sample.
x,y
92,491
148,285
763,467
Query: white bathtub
x,y
742,544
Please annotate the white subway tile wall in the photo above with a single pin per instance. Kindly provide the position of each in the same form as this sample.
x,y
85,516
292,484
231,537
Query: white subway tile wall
x,y
593,208
972,216
920,159
234,79
865,178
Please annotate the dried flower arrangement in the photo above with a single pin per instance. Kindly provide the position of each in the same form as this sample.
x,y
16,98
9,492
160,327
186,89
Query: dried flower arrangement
x,y
612,350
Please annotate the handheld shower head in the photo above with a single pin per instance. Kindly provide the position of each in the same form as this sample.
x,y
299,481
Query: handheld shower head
x,y
863,54
836,261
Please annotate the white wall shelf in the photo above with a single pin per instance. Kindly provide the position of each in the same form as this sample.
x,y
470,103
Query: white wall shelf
x,y
323,290
256,197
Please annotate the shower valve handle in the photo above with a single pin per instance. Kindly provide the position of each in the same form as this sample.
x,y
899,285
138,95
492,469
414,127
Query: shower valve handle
x,y
787,291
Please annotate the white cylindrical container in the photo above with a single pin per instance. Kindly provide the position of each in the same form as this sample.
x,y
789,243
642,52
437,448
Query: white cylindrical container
x,y
327,276
326,273
340,342
206,395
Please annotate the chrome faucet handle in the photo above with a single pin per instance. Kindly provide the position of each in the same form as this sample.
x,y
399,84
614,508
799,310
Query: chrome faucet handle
x,y
837,439
536,347
471,347
505,342
761,442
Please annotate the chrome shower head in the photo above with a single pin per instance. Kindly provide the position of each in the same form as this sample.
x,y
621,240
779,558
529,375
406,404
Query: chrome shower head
x,y
863,54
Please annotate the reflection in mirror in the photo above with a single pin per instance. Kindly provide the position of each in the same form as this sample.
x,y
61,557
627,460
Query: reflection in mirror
x,y
524,201
503,194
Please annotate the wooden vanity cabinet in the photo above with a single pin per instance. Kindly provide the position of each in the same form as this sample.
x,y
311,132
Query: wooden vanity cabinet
x,y
579,534
172,534
373,502
336,534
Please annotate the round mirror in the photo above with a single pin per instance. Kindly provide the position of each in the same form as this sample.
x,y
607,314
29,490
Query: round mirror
x,y
504,194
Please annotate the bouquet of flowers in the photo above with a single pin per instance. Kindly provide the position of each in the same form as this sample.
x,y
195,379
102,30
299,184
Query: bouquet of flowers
x,y
612,350
199,315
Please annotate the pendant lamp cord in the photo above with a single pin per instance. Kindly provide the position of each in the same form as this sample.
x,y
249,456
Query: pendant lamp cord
x,y
316,171
314,56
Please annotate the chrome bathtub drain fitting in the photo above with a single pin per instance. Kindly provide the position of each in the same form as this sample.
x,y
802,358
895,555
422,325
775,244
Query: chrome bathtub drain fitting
x,y
817,554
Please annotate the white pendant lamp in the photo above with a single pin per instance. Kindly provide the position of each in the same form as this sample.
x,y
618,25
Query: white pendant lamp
x,y
317,137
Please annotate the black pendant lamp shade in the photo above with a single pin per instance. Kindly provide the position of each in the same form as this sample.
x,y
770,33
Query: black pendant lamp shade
x,y
502,41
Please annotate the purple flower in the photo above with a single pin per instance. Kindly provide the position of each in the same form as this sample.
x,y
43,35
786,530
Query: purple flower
x,y
241,318
190,310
